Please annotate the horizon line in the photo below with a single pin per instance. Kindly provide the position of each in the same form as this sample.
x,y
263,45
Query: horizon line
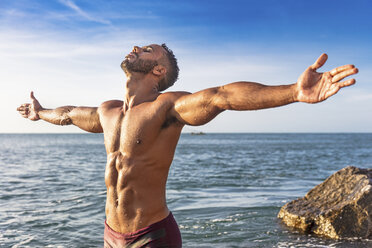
x,y
190,132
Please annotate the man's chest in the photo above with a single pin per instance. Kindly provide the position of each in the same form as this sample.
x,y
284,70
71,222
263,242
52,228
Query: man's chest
x,y
134,130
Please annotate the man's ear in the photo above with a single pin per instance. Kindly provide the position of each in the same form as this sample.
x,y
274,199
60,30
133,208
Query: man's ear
x,y
159,70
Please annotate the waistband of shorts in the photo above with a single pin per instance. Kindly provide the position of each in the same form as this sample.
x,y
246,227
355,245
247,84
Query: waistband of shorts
x,y
153,226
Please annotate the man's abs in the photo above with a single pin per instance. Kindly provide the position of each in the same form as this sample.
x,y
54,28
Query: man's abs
x,y
135,193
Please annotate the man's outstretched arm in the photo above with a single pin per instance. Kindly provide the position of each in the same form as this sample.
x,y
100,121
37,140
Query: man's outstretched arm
x,y
311,87
86,118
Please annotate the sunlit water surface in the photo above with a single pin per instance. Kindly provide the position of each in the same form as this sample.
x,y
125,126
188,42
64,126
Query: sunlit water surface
x,y
225,190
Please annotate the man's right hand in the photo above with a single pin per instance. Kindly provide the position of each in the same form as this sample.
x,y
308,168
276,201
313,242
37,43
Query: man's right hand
x,y
30,110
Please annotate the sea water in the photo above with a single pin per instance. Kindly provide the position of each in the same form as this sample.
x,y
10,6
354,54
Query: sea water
x,y
225,190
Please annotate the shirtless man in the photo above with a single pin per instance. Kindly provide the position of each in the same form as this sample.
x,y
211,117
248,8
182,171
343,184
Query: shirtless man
x,y
141,134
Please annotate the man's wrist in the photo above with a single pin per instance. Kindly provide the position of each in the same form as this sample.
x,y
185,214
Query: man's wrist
x,y
294,88
39,112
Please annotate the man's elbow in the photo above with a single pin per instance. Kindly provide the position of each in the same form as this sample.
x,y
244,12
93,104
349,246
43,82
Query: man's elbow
x,y
65,120
220,99
63,114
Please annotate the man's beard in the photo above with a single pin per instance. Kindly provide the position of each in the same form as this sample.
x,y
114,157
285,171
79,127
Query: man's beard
x,y
139,65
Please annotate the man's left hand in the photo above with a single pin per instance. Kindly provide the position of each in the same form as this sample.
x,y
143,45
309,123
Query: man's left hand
x,y
313,87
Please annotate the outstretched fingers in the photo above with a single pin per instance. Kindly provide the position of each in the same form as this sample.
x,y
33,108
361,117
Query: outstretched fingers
x,y
337,86
23,107
346,83
340,69
343,74
23,110
319,62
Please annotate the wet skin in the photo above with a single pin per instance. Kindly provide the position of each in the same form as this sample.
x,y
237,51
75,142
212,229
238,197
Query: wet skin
x,y
140,145
141,132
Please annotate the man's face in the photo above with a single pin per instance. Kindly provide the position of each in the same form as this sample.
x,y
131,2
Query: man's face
x,y
142,59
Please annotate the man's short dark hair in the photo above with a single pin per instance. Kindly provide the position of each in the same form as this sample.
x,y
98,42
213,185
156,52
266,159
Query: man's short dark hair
x,y
172,72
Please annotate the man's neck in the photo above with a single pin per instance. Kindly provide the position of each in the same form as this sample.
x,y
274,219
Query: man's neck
x,y
139,89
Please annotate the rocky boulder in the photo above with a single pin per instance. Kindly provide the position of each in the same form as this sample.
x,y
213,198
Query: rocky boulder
x,y
340,207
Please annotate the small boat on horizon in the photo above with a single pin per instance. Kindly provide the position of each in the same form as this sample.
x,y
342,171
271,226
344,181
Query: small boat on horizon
x,y
197,133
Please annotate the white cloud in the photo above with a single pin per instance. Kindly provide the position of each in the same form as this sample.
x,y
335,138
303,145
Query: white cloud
x,y
82,13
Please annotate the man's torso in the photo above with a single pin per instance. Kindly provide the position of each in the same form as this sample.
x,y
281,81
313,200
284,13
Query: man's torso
x,y
140,145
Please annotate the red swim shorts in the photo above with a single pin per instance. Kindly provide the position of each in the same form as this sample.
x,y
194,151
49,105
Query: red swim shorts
x,y
164,233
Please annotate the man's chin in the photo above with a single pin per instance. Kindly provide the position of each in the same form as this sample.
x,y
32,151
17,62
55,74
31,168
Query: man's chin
x,y
124,63
123,66
137,66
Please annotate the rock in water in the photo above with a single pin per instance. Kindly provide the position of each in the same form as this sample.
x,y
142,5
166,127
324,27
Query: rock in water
x,y
340,207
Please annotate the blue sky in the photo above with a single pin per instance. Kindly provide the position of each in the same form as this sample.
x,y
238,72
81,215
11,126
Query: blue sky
x,y
69,52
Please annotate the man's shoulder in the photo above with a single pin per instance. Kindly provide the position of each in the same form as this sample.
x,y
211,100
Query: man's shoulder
x,y
172,95
107,105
